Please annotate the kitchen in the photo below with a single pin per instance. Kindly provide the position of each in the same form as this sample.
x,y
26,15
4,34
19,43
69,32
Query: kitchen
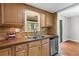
x,y
20,39
31,29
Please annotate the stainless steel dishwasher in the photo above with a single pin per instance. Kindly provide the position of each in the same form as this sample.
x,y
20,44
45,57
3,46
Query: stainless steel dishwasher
x,y
54,45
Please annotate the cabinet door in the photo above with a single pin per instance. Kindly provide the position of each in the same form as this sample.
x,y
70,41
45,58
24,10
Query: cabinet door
x,y
13,13
42,20
35,51
1,13
45,49
21,50
5,52
48,20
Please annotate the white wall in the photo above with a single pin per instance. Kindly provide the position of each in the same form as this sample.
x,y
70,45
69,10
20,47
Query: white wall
x,y
73,28
70,22
64,26
70,28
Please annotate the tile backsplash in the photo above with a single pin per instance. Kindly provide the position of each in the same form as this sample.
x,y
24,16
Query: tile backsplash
x,y
18,30
5,30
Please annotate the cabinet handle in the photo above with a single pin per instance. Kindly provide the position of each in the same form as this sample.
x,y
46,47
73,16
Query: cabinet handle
x,y
20,48
39,48
40,51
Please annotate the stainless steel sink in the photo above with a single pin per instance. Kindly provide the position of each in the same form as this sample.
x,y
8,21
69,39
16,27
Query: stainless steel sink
x,y
35,37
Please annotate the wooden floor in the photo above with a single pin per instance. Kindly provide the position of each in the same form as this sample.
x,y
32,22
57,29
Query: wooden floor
x,y
69,48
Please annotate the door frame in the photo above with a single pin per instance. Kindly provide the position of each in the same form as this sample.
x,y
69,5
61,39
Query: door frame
x,y
61,30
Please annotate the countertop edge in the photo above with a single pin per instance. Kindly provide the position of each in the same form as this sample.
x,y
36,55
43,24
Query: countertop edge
x,y
9,44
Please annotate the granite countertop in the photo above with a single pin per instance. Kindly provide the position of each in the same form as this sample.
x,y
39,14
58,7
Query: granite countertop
x,y
7,43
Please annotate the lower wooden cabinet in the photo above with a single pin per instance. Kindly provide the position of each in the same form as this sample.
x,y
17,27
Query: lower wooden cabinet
x,y
21,50
5,52
21,53
35,51
35,48
39,48
45,49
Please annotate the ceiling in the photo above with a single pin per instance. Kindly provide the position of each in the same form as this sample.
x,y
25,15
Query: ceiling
x,y
51,7
71,11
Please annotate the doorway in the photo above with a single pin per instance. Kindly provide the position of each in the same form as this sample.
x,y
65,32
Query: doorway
x,y
60,26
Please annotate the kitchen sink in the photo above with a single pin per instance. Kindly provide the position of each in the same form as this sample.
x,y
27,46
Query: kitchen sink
x,y
35,37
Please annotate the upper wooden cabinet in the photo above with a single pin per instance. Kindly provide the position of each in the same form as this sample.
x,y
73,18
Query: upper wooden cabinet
x,y
46,20
42,20
49,19
11,14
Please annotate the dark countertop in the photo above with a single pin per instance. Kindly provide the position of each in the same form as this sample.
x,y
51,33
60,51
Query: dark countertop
x,y
7,43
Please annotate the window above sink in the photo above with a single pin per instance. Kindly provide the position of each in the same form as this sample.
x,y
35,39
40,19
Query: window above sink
x,y
32,21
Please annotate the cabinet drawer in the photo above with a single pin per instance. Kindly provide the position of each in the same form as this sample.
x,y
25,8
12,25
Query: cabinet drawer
x,y
35,43
45,41
21,53
20,47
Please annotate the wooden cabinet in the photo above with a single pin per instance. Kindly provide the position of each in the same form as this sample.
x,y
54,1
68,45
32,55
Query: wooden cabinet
x,y
34,43
21,50
42,20
12,14
35,48
39,48
45,41
45,47
49,19
42,50
5,52
35,51
1,13
46,20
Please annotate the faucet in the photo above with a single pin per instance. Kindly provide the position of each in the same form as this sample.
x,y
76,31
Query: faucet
x,y
35,30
